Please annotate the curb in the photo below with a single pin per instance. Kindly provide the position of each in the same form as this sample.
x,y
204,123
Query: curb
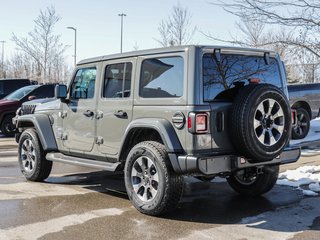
x,y
9,153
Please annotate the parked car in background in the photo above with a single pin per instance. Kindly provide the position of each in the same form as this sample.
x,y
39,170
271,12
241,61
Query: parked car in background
x,y
305,98
9,85
10,104
28,108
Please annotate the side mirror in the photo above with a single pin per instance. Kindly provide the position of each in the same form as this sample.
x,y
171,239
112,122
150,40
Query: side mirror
x,y
60,91
31,98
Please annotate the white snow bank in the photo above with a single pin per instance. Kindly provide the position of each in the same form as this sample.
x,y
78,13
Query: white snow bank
x,y
304,178
315,187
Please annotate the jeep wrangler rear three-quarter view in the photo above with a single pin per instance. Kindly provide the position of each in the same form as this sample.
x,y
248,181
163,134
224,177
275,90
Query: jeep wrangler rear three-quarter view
x,y
161,114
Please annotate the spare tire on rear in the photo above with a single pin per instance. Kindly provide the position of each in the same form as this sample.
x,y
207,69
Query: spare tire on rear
x,y
260,122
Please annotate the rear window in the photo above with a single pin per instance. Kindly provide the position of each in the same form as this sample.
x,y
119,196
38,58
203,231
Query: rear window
x,y
220,78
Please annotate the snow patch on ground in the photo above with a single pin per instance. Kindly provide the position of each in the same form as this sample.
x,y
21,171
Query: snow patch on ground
x,y
304,178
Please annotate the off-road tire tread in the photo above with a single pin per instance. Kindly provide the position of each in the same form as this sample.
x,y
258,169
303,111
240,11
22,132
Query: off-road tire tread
x,y
240,138
173,181
43,166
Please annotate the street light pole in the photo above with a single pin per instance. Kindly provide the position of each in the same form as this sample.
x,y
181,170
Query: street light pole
x,y
121,15
2,59
75,44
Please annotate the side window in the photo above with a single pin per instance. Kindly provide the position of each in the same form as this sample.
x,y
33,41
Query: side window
x,y
45,91
83,84
161,78
117,80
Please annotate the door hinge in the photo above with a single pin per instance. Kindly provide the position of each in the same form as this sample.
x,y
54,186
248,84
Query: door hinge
x,y
99,114
64,136
99,140
63,114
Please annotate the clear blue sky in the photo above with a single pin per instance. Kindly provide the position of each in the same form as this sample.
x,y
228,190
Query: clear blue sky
x,y
98,23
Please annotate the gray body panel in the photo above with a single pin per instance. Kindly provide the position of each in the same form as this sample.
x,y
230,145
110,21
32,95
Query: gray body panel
x,y
306,95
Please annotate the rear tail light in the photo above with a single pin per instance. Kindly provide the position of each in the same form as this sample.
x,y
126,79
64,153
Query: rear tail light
x,y
198,122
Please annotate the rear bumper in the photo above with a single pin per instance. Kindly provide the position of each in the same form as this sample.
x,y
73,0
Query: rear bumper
x,y
210,165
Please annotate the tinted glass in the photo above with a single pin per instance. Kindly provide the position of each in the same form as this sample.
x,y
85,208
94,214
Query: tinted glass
x,y
162,78
219,77
45,91
84,83
117,80
1,88
20,93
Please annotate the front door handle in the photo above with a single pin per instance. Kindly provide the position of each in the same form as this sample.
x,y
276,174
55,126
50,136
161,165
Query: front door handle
x,y
121,114
88,113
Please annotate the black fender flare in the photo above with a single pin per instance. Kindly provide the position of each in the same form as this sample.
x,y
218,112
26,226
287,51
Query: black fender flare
x,y
162,126
42,124
166,132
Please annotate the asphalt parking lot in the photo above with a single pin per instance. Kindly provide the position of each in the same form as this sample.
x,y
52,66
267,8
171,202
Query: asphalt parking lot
x,y
83,203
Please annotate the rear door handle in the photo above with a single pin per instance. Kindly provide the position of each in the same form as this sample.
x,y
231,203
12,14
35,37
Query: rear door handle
x,y
121,114
88,113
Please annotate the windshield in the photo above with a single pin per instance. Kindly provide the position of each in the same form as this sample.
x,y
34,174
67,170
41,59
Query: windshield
x,y
20,93
222,77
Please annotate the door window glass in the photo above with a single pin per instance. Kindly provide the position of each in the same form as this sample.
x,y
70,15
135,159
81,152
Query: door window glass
x,y
44,91
83,84
162,78
117,81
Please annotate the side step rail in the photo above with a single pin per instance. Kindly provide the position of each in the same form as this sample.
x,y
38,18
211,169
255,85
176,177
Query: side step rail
x,y
59,157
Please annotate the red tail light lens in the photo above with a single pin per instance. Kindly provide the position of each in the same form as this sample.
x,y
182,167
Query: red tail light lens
x,y
198,122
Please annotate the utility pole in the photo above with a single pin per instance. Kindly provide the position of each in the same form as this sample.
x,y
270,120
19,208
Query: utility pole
x,y
121,15
2,60
75,44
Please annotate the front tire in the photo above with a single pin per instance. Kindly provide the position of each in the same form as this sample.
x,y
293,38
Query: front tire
x,y
33,164
7,127
152,185
249,182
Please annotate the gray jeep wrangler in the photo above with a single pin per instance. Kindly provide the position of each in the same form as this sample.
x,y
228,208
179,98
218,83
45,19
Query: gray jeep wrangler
x,y
160,114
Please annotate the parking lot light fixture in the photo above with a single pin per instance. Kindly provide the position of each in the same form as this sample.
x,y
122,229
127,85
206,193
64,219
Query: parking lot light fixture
x,y
75,44
121,15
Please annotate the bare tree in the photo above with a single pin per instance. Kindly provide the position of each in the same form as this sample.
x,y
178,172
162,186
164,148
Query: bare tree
x,y
177,29
301,16
250,34
42,45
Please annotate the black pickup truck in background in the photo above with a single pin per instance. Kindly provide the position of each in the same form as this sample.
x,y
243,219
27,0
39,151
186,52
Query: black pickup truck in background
x,y
305,98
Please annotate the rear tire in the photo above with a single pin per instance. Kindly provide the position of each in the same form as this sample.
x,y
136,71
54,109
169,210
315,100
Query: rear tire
x,y
302,128
152,185
248,182
33,164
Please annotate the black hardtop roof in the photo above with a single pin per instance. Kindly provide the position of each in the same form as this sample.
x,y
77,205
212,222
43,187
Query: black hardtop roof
x,y
170,50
